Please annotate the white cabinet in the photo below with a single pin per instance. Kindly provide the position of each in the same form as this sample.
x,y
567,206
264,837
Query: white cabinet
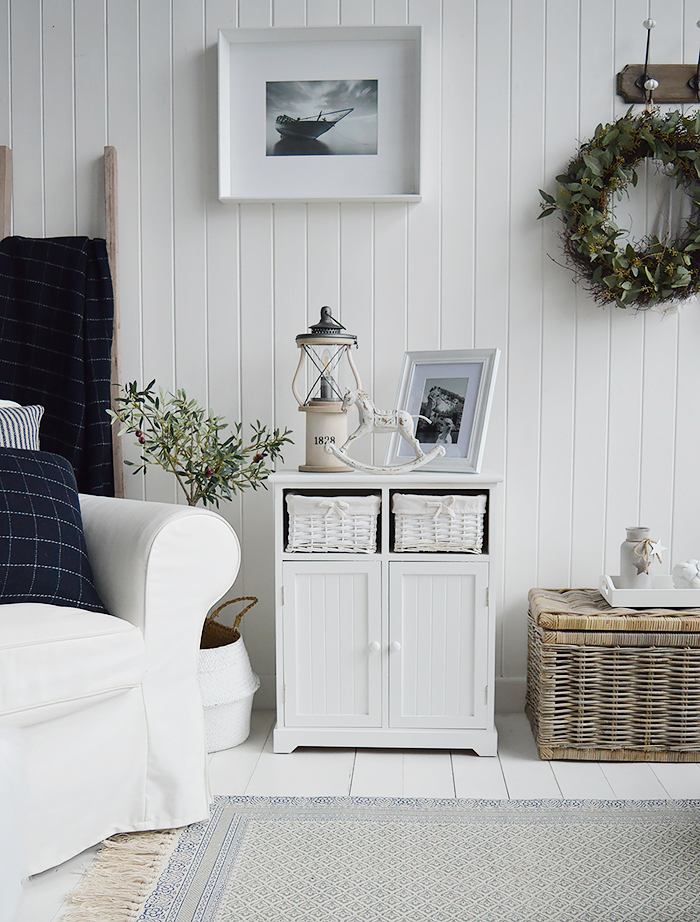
x,y
387,649
438,620
331,634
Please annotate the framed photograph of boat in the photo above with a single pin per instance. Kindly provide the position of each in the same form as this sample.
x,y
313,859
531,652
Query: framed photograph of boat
x,y
449,394
319,114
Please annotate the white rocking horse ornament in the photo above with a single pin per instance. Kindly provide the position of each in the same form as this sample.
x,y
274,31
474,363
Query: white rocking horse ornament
x,y
374,420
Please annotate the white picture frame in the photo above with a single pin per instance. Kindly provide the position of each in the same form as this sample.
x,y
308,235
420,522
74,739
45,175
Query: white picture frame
x,y
455,389
308,64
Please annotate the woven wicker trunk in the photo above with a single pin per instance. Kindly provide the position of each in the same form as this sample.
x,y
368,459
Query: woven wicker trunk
x,y
612,684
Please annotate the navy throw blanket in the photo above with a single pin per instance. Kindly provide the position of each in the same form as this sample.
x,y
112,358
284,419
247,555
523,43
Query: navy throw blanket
x,y
56,316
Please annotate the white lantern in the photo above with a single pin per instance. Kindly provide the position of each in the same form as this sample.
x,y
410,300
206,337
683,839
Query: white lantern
x,y
323,350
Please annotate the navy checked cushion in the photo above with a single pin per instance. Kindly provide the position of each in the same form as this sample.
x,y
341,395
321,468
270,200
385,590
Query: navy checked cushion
x,y
43,557
19,427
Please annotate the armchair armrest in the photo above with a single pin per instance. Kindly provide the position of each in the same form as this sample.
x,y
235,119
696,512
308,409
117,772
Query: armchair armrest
x,y
157,556
161,567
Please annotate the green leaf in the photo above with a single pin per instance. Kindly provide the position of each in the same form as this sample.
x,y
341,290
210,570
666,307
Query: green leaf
x,y
592,163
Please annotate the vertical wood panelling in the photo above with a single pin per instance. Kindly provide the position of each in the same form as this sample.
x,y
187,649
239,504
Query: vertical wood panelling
x,y
323,12
661,341
5,85
390,293
683,542
90,116
223,346
156,211
521,373
190,189
289,13
290,246
258,387
491,276
357,301
592,328
457,168
594,421
123,127
356,12
558,318
626,341
58,100
27,118
424,243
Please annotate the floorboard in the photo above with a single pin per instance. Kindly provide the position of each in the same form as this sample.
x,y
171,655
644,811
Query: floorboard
x,y
427,774
302,773
230,770
680,779
378,773
634,781
478,778
517,773
44,894
526,776
582,781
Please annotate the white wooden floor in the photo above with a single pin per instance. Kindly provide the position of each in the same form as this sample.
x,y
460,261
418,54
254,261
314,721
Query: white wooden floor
x,y
517,774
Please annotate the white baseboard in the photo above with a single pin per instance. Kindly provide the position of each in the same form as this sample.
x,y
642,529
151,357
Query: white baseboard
x,y
510,694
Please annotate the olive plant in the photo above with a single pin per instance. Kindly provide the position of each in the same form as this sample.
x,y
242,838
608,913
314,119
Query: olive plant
x,y
180,436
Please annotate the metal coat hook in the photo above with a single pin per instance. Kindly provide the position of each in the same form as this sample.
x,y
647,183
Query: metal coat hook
x,y
644,81
694,82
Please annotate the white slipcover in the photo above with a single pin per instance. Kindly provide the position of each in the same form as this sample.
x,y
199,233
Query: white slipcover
x,y
108,708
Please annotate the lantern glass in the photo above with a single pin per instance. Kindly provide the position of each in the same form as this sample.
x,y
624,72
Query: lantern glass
x,y
324,367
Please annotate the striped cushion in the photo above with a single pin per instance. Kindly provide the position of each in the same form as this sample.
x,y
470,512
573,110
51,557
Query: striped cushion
x,y
19,427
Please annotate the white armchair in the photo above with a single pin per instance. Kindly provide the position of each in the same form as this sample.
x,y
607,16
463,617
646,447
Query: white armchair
x,y
108,707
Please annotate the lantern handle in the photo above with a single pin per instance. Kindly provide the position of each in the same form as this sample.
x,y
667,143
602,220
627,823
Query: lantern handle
x,y
355,372
295,390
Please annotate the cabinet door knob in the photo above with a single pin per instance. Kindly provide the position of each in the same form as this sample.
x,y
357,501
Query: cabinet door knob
x,y
394,646
375,646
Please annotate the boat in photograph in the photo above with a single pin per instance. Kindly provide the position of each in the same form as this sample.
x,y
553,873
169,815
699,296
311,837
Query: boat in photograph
x,y
311,127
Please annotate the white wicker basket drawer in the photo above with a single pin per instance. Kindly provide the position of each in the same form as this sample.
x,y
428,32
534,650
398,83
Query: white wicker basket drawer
x,y
425,522
328,524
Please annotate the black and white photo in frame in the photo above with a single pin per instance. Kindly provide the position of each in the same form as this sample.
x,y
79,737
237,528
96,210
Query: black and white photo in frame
x,y
449,393
312,118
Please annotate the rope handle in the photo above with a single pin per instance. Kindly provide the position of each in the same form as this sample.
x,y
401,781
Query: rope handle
x,y
244,598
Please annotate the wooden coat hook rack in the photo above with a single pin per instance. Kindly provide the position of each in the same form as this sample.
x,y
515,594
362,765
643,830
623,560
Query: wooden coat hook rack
x,y
111,225
659,83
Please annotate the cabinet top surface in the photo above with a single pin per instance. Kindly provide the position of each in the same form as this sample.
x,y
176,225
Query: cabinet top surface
x,y
416,478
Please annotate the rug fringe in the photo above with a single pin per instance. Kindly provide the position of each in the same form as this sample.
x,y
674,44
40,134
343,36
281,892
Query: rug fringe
x,y
115,886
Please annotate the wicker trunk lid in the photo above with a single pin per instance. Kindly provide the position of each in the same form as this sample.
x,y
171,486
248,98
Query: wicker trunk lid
x,y
612,683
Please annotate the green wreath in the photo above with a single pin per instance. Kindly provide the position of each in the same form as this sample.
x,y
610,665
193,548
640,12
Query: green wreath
x,y
653,271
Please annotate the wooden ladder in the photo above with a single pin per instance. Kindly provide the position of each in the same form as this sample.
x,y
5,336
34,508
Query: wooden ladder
x,y
110,183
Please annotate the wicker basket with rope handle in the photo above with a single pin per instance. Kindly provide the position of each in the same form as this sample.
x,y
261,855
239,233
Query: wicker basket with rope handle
x,y
215,634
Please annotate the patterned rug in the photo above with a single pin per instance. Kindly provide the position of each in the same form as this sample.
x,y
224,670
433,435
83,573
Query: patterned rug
x,y
330,859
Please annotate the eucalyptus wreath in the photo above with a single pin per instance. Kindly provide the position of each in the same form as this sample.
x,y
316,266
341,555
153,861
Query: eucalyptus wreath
x,y
653,271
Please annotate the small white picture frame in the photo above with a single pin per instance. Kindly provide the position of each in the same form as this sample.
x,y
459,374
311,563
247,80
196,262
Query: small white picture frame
x,y
454,390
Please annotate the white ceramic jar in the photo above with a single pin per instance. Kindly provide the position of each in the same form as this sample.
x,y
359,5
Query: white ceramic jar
x,y
634,555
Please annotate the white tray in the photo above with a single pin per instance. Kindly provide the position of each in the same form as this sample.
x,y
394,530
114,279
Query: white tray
x,y
662,594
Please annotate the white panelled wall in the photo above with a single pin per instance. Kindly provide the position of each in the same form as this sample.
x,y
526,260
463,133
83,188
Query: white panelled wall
x,y
597,411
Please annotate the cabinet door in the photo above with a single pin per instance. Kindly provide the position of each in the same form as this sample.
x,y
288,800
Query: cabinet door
x,y
332,643
438,644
